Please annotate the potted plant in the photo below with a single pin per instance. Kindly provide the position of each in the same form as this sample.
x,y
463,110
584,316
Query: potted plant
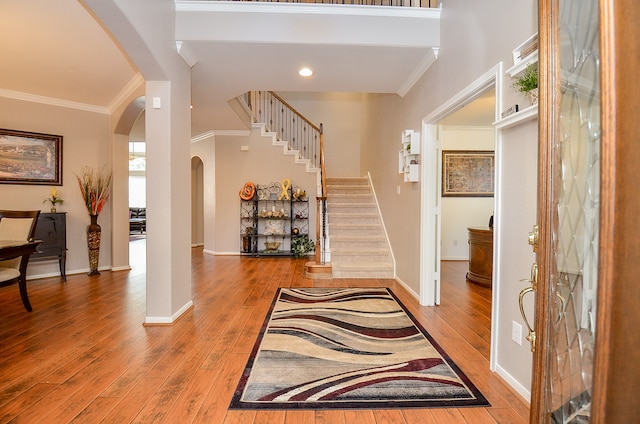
x,y
527,82
54,200
301,246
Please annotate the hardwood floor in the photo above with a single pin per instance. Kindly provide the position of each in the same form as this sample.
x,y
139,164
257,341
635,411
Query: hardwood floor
x,y
83,355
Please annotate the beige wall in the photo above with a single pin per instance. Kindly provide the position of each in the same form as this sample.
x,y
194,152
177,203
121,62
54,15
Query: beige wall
x,y
197,202
86,141
143,30
340,114
517,215
205,151
261,164
475,37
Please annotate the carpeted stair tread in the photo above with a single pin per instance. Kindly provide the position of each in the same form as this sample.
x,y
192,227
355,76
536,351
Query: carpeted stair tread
x,y
355,266
354,215
349,190
347,180
358,245
362,238
357,205
349,198
360,251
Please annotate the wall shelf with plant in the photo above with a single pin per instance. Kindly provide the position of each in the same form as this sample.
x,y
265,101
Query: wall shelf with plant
x,y
524,74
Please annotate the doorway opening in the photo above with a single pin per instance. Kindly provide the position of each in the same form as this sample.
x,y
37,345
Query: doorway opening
x,y
455,115
137,194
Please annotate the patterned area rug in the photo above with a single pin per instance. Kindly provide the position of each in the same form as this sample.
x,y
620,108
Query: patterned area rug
x,y
325,348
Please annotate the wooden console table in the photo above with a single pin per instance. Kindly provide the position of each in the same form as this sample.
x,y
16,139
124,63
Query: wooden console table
x,y
480,256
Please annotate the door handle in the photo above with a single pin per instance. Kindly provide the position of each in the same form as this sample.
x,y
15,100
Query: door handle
x,y
531,337
533,238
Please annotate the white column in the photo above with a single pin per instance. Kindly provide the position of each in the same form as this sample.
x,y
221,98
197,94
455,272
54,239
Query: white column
x,y
168,202
119,204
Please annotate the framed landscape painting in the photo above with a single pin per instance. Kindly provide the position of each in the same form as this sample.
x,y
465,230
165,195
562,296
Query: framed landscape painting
x,y
30,158
467,173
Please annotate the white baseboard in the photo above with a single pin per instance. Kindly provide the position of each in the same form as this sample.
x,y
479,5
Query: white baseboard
x,y
168,320
411,292
454,258
68,272
515,384
121,268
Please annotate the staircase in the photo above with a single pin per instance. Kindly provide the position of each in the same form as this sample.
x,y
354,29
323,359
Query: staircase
x,y
357,240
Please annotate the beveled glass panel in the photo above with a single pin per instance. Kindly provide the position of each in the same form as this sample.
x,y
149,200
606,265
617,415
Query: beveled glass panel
x,y
575,229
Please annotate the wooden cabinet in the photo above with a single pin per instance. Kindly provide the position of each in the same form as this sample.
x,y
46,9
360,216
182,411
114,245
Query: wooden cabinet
x,y
52,230
480,256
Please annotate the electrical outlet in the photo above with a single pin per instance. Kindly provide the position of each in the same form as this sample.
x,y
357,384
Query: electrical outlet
x,y
455,242
398,189
516,332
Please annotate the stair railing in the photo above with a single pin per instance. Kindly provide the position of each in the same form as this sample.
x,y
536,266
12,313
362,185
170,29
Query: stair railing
x,y
290,125
321,208
398,3
301,135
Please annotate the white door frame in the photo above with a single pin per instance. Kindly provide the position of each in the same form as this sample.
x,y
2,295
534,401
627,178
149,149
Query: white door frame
x,y
430,197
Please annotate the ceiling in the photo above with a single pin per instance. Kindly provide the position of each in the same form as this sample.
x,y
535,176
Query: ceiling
x,y
58,52
480,112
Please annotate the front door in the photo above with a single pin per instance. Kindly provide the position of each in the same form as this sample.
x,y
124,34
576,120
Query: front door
x,y
587,302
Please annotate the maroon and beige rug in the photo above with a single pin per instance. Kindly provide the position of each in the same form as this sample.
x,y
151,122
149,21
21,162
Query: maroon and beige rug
x,y
323,348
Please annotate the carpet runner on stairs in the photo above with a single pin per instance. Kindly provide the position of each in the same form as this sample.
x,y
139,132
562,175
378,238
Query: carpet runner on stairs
x,y
358,244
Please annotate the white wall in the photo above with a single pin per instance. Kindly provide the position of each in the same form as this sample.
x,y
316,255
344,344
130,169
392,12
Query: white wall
x,y
459,213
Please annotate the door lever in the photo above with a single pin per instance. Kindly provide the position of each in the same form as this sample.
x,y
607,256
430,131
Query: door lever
x,y
531,337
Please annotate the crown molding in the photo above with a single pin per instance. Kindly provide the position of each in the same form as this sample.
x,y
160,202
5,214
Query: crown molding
x,y
426,62
213,134
126,92
33,98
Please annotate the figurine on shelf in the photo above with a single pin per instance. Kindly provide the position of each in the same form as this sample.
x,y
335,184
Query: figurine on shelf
x,y
299,194
285,185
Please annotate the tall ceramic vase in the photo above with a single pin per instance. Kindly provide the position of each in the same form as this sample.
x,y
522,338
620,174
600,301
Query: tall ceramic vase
x,y
93,243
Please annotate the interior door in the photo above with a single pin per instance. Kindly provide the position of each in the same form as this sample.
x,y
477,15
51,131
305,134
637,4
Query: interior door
x,y
588,249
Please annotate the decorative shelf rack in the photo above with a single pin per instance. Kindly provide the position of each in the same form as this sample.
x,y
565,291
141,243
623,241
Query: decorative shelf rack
x,y
408,157
269,222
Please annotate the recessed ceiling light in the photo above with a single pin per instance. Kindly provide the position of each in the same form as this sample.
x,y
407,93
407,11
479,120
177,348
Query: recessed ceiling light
x,y
305,72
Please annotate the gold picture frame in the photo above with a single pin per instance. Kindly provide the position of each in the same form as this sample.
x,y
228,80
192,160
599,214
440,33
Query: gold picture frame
x,y
468,173
30,158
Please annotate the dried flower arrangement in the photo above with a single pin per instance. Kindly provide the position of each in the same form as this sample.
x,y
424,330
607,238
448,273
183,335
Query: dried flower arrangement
x,y
95,187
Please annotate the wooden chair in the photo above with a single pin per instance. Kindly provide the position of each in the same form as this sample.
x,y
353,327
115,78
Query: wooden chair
x,y
17,225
